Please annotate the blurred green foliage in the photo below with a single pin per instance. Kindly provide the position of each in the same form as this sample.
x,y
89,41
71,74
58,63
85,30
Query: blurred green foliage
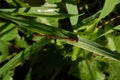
x,y
59,40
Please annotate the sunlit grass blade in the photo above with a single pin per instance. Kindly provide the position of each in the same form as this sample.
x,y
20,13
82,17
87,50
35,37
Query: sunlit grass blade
x,y
36,26
108,7
38,12
42,9
72,9
95,48
50,15
53,1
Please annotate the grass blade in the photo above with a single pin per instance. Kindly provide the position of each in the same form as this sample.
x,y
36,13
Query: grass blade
x,y
23,55
36,26
95,48
108,7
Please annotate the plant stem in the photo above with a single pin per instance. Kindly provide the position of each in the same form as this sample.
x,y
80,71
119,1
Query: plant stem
x,y
89,67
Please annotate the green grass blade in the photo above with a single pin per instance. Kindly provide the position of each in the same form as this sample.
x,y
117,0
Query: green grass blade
x,y
50,15
108,7
42,9
72,9
53,1
4,51
36,26
23,55
8,31
95,48
110,31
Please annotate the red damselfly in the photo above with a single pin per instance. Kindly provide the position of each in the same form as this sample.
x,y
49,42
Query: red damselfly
x,y
57,37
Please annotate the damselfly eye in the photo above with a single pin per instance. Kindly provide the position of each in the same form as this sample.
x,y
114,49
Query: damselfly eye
x,y
74,38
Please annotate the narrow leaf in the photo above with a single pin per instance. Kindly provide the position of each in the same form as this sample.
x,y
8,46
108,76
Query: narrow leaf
x,y
110,31
95,48
42,9
108,8
72,9
4,51
23,55
53,1
36,26
8,31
